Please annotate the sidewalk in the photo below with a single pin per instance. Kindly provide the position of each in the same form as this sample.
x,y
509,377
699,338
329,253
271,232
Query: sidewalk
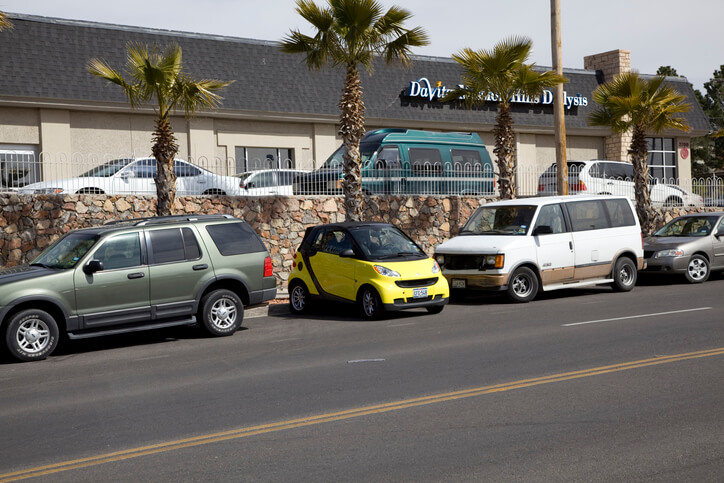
x,y
278,306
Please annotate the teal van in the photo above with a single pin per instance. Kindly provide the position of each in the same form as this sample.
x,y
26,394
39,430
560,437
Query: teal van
x,y
406,161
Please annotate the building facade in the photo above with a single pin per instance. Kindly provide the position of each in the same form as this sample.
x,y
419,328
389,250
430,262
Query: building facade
x,y
57,120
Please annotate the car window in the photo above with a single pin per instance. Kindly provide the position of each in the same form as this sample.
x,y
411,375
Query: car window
x,y
384,241
335,242
552,215
286,177
720,227
66,251
182,169
145,168
587,215
173,245
264,180
235,238
688,226
425,160
596,170
388,158
619,212
466,160
122,251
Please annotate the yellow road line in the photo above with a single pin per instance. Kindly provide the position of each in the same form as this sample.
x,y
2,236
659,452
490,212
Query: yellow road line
x,y
347,414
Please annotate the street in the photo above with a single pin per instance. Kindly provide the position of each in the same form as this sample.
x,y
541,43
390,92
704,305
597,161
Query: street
x,y
582,384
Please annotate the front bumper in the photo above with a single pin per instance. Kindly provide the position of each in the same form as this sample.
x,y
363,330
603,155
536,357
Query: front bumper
x,y
498,281
667,264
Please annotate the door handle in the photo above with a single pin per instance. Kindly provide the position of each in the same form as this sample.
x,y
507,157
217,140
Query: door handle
x,y
570,245
201,266
136,275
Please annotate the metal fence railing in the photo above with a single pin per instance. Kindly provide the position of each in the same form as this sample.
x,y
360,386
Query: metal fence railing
x,y
602,177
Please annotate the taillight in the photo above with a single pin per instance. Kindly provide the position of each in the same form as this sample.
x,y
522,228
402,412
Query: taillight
x,y
268,269
578,186
541,188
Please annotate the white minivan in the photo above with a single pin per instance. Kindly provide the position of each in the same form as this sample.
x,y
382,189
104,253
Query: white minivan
x,y
550,243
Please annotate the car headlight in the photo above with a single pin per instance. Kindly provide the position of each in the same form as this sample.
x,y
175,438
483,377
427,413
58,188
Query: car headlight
x,y
440,260
676,252
492,261
386,271
435,267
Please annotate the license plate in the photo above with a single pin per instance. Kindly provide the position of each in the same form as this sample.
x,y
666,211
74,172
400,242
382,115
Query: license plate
x,y
458,283
419,293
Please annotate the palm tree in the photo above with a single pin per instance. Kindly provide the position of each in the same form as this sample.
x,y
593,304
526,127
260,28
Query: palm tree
x,y
499,74
350,33
5,23
631,104
158,77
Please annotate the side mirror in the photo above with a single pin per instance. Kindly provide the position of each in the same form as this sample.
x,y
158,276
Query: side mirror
x,y
542,230
126,175
92,267
348,253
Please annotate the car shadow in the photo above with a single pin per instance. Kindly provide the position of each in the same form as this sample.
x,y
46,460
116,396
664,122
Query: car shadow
x,y
343,312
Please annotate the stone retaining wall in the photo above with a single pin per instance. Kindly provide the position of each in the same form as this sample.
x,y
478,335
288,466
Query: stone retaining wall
x,y
29,223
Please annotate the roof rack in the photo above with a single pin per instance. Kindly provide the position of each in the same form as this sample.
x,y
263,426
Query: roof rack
x,y
158,220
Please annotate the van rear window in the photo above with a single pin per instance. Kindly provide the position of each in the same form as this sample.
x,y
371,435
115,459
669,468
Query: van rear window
x,y
427,160
619,211
587,215
466,160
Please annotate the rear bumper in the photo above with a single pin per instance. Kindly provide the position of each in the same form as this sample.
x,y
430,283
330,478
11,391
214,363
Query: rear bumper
x,y
259,296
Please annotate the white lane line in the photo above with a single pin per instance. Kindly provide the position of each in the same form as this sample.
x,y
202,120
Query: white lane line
x,y
401,325
357,361
636,316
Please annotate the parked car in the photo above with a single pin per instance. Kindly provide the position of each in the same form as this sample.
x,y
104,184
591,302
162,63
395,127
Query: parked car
x,y
406,161
375,265
599,177
691,245
268,182
521,246
136,176
133,275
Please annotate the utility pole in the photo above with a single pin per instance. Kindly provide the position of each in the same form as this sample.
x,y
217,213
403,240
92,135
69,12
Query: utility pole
x,y
558,112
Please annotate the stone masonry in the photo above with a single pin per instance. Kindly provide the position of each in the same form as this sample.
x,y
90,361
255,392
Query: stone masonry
x,y
610,64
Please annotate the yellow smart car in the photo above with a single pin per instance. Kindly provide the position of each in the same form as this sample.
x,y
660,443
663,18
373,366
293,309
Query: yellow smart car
x,y
375,265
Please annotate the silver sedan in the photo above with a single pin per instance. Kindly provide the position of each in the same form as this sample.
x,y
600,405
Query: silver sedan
x,y
692,245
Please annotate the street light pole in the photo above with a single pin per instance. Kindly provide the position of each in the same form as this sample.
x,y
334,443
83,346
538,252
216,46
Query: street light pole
x,y
558,112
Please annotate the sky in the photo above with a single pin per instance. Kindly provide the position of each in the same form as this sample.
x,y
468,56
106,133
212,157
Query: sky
x,y
685,35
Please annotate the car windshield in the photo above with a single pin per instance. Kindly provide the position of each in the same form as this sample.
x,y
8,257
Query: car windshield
x,y
688,226
499,220
107,169
66,252
385,242
366,150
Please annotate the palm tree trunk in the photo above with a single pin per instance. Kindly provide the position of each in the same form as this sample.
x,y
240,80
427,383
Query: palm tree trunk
x,y
639,153
505,151
351,129
164,150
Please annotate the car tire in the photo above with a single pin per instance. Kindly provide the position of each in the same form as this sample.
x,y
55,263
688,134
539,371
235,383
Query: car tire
x,y
624,275
221,312
370,304
299,298
435,309
697,270
523,285
31,335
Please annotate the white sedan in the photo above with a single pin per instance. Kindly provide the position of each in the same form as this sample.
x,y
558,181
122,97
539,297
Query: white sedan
x,y
136,176
268,182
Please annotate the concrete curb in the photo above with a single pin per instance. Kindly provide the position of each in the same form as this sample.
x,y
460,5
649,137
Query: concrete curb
x,y
280,307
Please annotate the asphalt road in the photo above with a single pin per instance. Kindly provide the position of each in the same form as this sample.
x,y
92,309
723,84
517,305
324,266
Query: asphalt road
x,y
580,385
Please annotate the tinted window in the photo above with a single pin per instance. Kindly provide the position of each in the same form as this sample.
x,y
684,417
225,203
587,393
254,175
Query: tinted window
x,y
235,239
587,215
619,212
181,169
191,245
123,251
388,157
466,160
425,160
167,245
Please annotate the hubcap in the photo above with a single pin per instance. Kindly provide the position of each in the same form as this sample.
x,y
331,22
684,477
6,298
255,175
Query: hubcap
x,y
521,286
697,269
625,275
298,298
223,313
33,336
368,303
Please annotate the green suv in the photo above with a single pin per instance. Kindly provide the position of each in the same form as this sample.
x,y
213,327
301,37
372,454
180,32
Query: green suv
x,y
131,275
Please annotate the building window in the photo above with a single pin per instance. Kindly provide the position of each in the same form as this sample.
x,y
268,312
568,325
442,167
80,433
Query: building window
x,y
252,159
662,159
18,166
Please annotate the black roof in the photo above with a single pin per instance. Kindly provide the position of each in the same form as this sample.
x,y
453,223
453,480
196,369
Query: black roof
x,y
44,60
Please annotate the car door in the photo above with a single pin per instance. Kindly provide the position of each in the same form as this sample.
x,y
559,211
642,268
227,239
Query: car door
x,y
178,269
190,180
335,274
139,176
718,245
554,245
119,293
